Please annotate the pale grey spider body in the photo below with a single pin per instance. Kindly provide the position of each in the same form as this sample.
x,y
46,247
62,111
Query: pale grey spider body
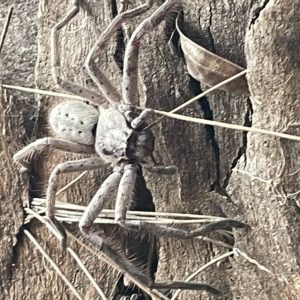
x,y
114,137
108,126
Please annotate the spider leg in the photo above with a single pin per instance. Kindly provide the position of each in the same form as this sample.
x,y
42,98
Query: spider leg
x,y
145,227
130,74
143,116
106,190
94,208
90,163
108,90
124,197
24,155
161,170
55,62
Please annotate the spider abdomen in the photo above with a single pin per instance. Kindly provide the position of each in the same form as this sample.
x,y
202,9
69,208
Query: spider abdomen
x,y
74,121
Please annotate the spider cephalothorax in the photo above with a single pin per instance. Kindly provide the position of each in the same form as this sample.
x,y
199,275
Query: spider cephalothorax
x,y
117,139
106,125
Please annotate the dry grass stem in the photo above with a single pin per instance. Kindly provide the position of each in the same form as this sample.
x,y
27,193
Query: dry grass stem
x,y
172,114
87,273
72,213
67,210
71,183
5,27
52,263
227,125
110,212
217,86
238,252
41,92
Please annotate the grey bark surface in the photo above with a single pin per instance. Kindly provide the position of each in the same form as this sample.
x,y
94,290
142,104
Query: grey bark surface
x,y
252,178
17,61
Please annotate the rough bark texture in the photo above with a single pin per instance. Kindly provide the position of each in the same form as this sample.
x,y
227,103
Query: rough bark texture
x,y
17,61
266,192
251,177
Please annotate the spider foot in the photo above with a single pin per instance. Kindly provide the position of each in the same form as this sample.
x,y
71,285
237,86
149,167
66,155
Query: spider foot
x,y
222,224
60,229
162,170
204,230
197,286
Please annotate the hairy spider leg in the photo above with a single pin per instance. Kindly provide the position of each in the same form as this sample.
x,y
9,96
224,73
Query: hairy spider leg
x,y
142,118
91,163
124,198
55,62
94,208
131,60
24,155
161,170
130,72
108,90
126,183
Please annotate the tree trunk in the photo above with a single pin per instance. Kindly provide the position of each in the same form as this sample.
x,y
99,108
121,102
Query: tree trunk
x,y
249,177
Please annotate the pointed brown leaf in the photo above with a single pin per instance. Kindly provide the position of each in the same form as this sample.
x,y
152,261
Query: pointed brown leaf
x,y
211,69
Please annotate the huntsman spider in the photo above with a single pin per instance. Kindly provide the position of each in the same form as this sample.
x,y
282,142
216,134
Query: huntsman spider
x,y
108,127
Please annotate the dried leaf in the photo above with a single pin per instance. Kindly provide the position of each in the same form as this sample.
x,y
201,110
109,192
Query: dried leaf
x,y
211,69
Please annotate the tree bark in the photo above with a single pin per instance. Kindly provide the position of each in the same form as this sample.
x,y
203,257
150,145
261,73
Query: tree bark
x,y
249,177
264,184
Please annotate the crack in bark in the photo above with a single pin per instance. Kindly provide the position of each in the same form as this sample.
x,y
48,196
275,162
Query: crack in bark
x,y
208,114
256,12
195,87
119,40
243,147
14,254
212,42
